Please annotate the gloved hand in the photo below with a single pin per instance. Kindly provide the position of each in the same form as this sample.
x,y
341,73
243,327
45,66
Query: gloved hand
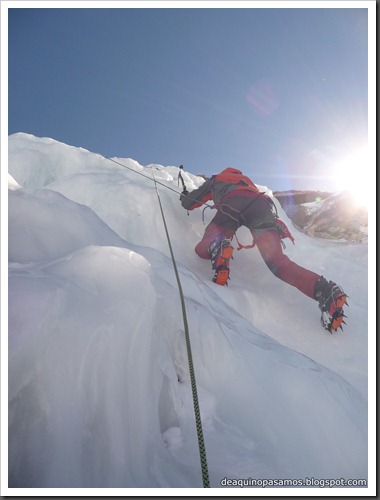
x,y
183,194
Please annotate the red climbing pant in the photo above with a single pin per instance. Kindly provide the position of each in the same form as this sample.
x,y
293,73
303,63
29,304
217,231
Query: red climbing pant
x,y
257,215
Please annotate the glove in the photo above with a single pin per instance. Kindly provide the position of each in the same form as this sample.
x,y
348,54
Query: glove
x,y
183,194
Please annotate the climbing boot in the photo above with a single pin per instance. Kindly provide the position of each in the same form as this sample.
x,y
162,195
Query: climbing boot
x,y
220,254
331,299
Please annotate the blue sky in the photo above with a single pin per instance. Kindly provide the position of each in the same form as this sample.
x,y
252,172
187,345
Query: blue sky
x,y
280,93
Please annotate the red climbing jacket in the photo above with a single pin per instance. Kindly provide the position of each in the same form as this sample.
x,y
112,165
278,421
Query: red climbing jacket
x,y
219,187
222,188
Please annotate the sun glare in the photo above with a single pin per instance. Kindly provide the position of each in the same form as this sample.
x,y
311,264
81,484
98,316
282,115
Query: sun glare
x,y
353,174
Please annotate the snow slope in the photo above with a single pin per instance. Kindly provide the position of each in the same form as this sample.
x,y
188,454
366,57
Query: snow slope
x,y
99,389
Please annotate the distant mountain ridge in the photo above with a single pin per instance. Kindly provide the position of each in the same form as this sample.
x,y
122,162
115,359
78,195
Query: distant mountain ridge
x,y
326,215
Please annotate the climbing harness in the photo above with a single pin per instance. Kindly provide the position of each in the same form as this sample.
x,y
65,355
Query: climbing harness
x,y
238,216
198,421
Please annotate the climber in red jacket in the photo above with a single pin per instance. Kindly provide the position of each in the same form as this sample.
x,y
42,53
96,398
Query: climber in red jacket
x,y
240,203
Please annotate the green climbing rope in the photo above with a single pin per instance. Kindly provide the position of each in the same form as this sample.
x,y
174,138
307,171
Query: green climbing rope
x,y
198,422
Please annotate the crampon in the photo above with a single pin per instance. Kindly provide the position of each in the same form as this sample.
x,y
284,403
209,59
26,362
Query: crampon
x,y
332,314
220,258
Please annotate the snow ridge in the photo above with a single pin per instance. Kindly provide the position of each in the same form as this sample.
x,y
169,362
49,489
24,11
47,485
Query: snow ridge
x,y
99,391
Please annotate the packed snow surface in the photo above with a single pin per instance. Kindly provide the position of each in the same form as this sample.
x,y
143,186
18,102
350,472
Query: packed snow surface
x,y
99,385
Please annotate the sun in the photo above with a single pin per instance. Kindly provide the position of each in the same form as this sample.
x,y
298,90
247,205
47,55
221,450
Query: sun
x,y
355,173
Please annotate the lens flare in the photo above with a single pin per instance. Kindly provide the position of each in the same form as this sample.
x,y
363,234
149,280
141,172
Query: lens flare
x,y
263,97
354,174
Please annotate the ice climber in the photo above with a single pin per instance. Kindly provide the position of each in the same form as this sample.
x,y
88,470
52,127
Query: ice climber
x,y
240,203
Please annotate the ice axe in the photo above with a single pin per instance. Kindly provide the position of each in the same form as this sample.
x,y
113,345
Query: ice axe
x,y
180,178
